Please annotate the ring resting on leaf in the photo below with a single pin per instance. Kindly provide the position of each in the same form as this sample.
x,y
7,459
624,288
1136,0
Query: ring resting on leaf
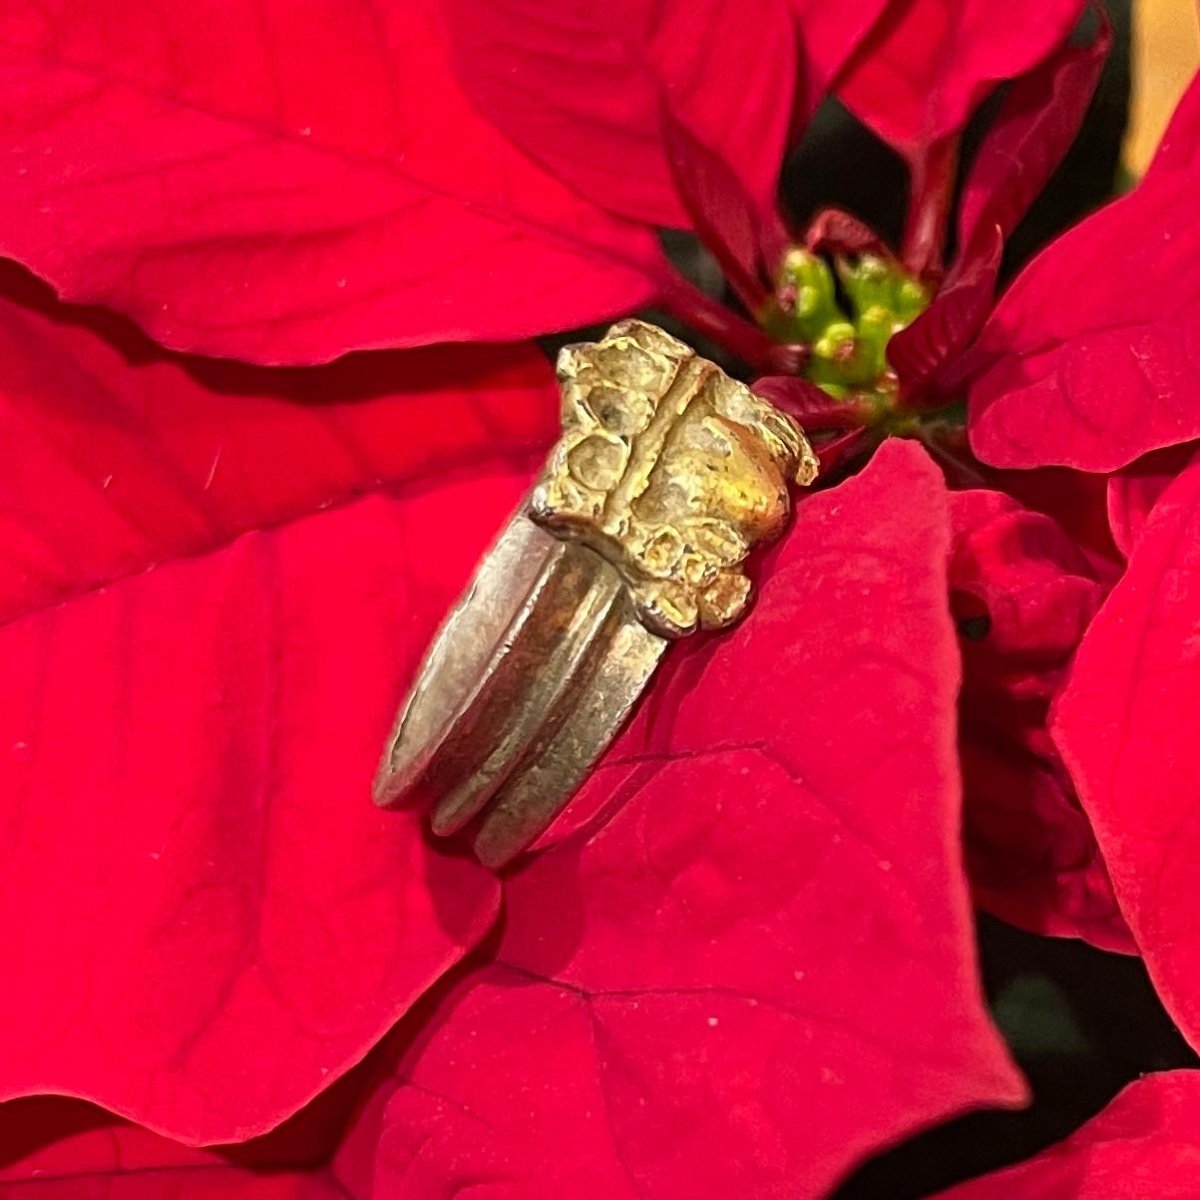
x,y
665,477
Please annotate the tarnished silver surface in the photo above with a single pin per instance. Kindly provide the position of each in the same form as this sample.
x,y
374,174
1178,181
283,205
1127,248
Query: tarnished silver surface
x,y
528,681
667,474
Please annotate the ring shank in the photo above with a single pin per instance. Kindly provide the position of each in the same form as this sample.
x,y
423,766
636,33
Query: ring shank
x,y
529,680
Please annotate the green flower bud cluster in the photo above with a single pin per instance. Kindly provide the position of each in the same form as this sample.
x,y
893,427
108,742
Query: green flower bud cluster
x,y
847,349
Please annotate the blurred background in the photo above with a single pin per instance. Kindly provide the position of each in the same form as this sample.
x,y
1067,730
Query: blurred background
x,y
1165,52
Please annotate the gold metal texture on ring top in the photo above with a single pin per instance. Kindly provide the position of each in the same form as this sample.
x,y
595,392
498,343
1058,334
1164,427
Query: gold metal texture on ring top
x,y
666,475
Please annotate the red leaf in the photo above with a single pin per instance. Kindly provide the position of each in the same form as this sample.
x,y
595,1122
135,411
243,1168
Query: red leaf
x,y
1078,503
211,589
289,187
927,64
1023,594
1134,491
66,1150
578,85
1091,356
1142,1144
816,410
1125,726
925,355
830,33
57,1149
745,237
1037,122
688,1003
834,231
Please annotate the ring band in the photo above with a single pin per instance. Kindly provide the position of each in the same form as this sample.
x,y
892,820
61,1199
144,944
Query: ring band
x,y
666,474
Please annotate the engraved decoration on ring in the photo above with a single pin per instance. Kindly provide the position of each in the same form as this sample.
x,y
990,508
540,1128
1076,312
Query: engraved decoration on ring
x,y
670,470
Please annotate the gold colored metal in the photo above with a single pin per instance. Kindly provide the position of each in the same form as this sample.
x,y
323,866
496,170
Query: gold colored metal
x,y
670,470
667,474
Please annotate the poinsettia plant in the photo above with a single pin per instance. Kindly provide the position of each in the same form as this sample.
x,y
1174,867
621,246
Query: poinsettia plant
x,y
268,388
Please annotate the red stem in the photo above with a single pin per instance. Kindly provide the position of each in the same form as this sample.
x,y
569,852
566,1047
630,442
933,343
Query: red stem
x,y
683,299
931,191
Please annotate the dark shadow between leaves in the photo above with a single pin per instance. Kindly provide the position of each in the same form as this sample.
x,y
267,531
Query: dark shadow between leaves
x,y
1082,1024
362,375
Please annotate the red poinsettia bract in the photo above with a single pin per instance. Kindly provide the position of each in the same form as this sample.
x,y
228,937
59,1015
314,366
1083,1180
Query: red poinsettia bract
x,y
1023,593
219,579
1088,366
1142,1144
278,215
288,189
212,578
661,1001
1091,355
